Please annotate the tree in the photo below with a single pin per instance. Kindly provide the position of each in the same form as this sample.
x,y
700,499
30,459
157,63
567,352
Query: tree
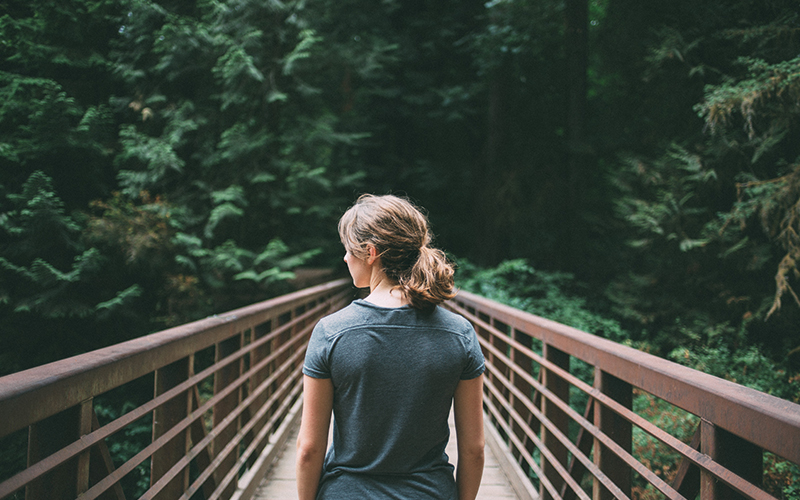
x,y
712,217
50,302
55,78
196,165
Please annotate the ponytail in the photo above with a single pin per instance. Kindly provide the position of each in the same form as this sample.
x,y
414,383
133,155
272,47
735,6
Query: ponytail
x,y
430,280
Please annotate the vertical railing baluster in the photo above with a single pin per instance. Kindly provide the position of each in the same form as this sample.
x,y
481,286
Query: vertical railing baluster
x,y
490,360
560,388
525,363
284,337
259,354
222,379
85,414
299,311
708,446
501,344
617,429
164,418
246,389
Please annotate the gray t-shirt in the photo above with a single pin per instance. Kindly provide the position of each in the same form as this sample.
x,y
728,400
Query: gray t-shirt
x,y
394,372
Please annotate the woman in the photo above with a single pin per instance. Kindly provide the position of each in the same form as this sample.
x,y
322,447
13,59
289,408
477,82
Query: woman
x,y
389,367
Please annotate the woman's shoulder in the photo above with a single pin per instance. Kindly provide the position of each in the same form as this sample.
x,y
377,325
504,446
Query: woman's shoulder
x,y
351,314
359,313
451,320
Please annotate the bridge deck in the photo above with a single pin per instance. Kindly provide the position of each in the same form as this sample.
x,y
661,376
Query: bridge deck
x,y
279,483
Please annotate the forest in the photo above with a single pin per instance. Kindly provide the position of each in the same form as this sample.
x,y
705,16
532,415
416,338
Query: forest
x,y
629,168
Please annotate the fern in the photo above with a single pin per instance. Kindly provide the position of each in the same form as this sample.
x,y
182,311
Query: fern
x,y
122,299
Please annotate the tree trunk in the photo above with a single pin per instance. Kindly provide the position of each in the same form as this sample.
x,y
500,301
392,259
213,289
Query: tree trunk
x,y
490,170
577,24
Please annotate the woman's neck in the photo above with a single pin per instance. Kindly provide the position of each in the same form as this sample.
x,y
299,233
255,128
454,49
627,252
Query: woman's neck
x,y
385,293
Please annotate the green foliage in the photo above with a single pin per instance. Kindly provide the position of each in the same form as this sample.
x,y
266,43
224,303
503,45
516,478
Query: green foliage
x,y
133,438
40,239
250,147
665,206
768,195
556,296
53,65
652,453
664,203
762,98
747,366
49,279
781,478
711,224
161,162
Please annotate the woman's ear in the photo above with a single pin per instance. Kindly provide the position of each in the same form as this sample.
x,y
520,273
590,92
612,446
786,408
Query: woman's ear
x,y
372,253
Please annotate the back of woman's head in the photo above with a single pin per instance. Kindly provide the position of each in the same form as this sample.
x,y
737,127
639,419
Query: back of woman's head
x,y
399,232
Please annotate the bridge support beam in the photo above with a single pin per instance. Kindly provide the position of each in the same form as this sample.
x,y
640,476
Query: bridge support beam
x,y
616,428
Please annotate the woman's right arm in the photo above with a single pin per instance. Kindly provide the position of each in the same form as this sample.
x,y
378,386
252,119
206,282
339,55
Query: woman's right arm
x,y
468,413
312,440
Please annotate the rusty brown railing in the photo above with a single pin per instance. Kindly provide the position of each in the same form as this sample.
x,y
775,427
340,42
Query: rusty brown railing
x,y
224,392
213,429
589,454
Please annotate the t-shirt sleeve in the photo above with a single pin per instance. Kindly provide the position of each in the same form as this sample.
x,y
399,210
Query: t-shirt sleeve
x,y
475,362
316,364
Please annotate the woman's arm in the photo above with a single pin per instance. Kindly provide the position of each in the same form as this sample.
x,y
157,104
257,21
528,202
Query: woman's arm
x,y
468,413
312,441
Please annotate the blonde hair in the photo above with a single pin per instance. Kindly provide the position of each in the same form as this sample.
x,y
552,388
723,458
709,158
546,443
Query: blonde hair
x,y
399,231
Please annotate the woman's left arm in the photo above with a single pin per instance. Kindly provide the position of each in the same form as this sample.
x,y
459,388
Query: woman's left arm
x,y
312,441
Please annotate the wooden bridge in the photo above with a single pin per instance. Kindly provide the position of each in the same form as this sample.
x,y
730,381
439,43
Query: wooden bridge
x,y
203,410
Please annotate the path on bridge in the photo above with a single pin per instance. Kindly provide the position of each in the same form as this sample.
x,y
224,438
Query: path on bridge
x,y
279,482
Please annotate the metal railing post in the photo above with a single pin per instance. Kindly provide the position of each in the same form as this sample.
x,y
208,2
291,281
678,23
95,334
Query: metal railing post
x,y
164,418
85,414
736,454
501,344
491,379
279,341
615,427
708,446
524,362
259,331
560,388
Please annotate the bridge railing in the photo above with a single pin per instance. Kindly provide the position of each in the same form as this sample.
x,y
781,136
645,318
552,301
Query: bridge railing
x,y
589,453
222,391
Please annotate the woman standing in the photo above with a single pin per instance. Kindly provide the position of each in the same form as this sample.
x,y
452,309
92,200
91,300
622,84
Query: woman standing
x,y
389,367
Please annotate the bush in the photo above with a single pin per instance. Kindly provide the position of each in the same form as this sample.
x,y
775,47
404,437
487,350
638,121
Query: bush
x,y
554,295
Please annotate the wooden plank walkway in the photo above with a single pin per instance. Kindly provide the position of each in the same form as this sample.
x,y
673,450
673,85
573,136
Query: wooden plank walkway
x,y
279,482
